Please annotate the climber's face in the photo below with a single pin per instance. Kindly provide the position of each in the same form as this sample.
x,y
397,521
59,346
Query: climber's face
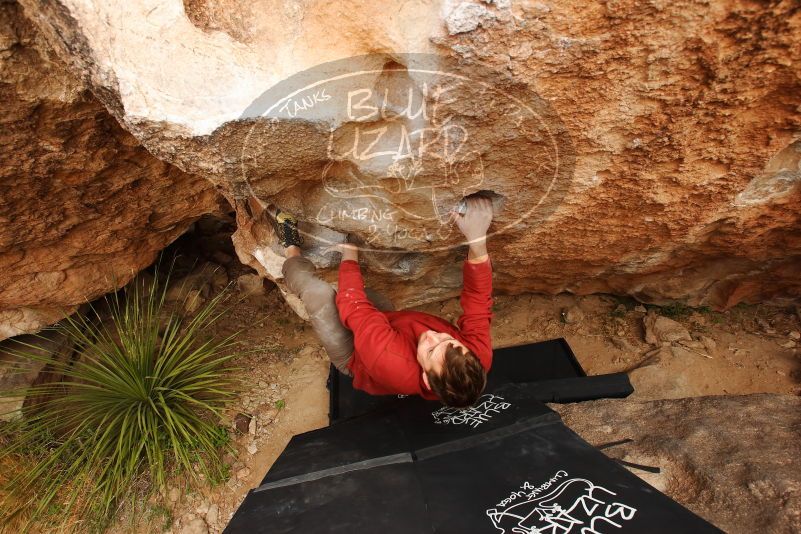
x,y
431,349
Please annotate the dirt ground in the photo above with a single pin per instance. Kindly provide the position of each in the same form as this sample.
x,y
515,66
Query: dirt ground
x,y
753,349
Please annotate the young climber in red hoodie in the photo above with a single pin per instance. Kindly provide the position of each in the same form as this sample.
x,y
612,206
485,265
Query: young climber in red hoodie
x,y
401,352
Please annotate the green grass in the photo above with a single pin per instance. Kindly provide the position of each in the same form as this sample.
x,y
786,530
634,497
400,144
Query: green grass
x,y
139,401
161,516
280,404
674,310
678,310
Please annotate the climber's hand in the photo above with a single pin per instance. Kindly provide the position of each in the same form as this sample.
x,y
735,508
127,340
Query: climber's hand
x,y
476,220
349,251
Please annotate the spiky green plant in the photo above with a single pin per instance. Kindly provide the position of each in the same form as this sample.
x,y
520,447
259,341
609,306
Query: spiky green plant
x,y
139,399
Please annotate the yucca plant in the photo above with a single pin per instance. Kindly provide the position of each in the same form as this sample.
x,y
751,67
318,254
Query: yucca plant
x,y
138,400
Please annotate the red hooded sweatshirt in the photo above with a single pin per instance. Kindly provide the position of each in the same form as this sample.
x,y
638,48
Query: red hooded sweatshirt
x,y
385,357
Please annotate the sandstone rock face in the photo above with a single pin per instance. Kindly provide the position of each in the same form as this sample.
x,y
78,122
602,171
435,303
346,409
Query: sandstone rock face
x,y
731,460
84,206
649,149
18,372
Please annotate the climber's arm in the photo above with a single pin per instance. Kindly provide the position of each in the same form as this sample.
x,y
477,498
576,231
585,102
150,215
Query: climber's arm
x,y
372,333
474,224
476,299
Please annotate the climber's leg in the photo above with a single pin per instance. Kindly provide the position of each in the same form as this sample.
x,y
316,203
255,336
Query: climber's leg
x,y
319,298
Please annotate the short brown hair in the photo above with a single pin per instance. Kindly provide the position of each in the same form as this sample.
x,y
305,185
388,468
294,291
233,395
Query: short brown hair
x,y
462,379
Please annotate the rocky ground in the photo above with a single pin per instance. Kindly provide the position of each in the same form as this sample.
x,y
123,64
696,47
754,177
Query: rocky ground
x,y
671,353
731,459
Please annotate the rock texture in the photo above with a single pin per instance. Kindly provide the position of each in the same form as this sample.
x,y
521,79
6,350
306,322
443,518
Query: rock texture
x,y
731,460
83,206
641,148
18,372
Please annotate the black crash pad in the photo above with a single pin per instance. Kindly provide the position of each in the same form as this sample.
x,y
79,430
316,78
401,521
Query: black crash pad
x,y
551,363
507,465
544,360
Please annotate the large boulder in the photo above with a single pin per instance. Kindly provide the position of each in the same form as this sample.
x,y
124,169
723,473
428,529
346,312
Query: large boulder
x,y
731,460
84,206
640,148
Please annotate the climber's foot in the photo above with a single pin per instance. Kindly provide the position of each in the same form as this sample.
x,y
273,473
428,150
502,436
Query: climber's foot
x,y
286,226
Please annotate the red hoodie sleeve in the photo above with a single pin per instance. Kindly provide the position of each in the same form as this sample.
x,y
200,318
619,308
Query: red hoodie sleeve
x,y
476,301
372,333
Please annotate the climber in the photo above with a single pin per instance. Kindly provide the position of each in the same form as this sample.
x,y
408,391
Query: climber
x,y
400,352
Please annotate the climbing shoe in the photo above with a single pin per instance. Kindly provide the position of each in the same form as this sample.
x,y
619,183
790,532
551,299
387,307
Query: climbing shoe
x,y
287,229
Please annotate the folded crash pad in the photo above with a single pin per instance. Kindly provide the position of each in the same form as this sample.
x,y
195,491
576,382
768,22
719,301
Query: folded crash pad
x,y
507,465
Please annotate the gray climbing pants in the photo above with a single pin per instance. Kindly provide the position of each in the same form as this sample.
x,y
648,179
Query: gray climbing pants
x,y
319,298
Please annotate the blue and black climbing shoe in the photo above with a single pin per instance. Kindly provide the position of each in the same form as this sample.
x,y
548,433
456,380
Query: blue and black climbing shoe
x,y
287,229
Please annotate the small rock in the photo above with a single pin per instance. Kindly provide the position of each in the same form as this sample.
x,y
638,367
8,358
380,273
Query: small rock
x,y
794,335
243,473
307,352
212,515
660,329
203,508
466,17
620,309
709,343
639,308
572,315
788,344
692,344
762,323
252,426
195,526
250,284
623,345
270,416
252,448
242,422
173,494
